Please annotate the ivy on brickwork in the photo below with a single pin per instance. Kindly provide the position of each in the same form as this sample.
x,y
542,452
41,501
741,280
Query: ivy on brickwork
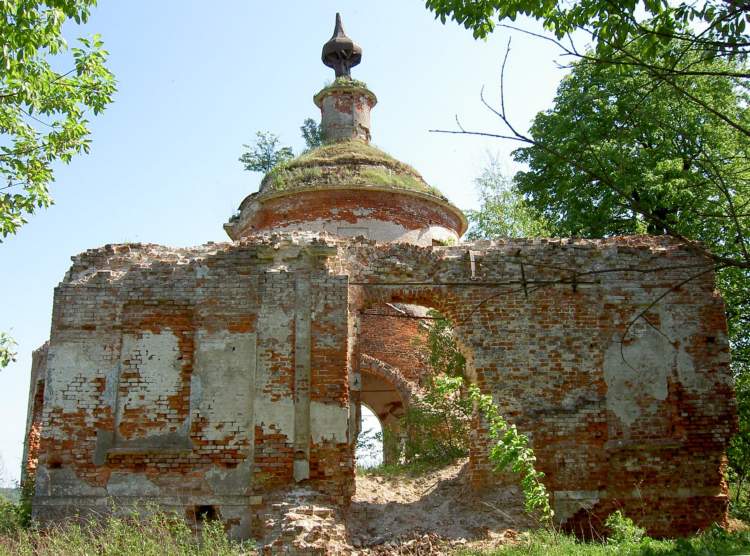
x,y
439,420
510,450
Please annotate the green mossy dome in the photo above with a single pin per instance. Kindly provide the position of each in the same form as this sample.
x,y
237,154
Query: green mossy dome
x,y
342,164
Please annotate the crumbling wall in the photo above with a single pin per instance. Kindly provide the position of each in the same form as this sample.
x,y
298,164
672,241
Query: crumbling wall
x,y
611,355
193,378
34,413
213,376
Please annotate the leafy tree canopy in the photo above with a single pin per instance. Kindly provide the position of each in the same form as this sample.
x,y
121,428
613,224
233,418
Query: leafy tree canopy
x,y
265,153
312,133
614,25
620,154
503,212
43,110
617,155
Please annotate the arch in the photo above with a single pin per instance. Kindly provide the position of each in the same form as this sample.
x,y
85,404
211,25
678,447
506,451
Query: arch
x,y
458,308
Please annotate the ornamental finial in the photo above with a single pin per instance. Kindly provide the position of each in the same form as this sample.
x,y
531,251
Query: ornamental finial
x,y
341,53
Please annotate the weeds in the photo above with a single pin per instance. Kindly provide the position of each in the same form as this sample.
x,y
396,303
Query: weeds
x,y
627,539
153,534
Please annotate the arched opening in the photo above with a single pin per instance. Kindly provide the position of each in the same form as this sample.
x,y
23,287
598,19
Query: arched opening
x,y
396,381
369,449
394,326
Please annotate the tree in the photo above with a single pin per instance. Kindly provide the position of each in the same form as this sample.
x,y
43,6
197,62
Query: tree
x,y
692,53
7,353
43,111
265,153
716,28
503,211
668,168
616,155
739,449
312,133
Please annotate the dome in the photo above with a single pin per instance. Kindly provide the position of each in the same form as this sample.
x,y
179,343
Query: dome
x,y
347,187
350,163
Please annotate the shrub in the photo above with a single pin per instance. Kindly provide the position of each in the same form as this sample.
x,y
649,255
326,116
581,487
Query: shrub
x,y
622,529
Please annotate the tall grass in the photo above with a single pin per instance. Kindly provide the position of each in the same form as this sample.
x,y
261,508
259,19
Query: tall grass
x,y
152,534
625,539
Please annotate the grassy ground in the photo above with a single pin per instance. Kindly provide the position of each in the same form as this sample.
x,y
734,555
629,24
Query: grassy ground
x,y
154,534
159,534
714,542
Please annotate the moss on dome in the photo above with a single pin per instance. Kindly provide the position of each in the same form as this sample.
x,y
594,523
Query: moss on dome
x,y
346,163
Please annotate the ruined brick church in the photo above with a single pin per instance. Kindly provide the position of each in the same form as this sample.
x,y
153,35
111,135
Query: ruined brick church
x,y
206,379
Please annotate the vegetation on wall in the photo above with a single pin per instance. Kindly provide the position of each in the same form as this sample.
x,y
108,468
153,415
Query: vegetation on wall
x,y
265,153
438,421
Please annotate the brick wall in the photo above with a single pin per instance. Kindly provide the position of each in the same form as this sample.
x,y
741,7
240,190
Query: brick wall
x,y
215,375
623,410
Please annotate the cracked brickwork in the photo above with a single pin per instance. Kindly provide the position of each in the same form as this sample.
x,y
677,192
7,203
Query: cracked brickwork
x,y
216,375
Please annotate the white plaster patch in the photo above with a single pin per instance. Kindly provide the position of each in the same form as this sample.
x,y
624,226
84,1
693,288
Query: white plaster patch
x,y
225,369
71,366
637,371
278,414
155,359
328,422
202,271
379,230
683,331
131,484
568,502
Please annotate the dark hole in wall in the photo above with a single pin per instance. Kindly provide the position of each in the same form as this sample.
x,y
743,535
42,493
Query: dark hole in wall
x,y
54,462
206,513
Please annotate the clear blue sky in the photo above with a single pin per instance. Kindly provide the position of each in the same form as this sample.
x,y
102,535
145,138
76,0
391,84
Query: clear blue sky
x,y
196,80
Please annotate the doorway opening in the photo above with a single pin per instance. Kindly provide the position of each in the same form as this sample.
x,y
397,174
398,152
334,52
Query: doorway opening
x,y
369,450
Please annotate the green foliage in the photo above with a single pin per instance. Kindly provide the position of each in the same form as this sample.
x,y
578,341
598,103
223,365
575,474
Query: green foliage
x,y
444,356
154,534
438,418
437,424
503,212
739,450
11,520
344,81
714,541
614,26
265,154
511,451
668,168
28,487
351,162
43,111
622,529
7,351
312,133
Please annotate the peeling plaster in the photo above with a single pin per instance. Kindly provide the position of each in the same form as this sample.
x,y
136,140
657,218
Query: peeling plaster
x,y
328,422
